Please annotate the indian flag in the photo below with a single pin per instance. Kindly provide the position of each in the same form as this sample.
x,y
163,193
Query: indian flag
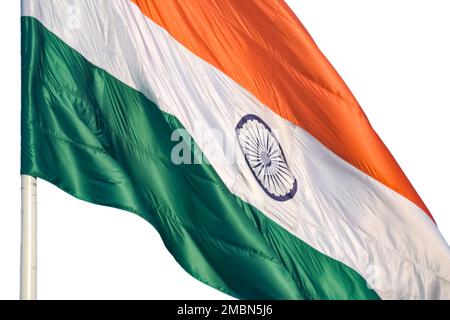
x,y
222,124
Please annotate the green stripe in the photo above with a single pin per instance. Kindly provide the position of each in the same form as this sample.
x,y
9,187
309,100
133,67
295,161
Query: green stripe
x,y
104,142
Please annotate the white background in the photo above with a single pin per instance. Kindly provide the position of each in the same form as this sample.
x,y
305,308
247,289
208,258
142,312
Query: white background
x,y
394,56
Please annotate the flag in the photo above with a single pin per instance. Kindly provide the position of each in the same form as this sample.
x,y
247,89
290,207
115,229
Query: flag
x,y
223,125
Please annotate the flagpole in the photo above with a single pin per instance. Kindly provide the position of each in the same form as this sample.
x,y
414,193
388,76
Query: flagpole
x,y
28,252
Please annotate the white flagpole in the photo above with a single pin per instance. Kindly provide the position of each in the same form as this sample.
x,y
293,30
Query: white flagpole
x,y
28,261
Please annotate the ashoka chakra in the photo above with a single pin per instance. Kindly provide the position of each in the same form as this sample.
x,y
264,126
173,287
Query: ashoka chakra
x,y
265,158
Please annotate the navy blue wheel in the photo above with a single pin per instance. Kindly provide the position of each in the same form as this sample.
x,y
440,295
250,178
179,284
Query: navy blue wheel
x,y
265,158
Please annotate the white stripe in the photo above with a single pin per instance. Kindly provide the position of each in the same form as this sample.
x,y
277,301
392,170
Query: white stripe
x,y
337,209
